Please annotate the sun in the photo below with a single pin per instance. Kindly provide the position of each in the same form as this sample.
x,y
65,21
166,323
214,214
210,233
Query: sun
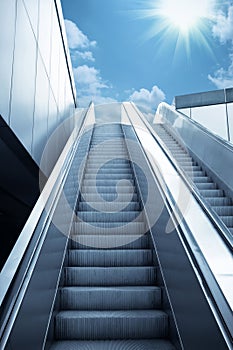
x,y
184,15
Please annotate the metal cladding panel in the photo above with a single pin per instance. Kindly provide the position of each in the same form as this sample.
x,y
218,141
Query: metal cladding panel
x,y
229,95
200,99
7,20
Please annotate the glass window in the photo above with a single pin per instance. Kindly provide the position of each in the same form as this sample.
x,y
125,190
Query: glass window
x,y
212,117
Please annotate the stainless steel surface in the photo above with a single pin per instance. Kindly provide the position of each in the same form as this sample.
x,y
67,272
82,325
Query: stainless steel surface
x,y
34,54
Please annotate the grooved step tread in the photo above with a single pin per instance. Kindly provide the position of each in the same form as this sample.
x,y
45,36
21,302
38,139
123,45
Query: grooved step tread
x,y
110,257
147,344
94,325
109,241
110,298
110,276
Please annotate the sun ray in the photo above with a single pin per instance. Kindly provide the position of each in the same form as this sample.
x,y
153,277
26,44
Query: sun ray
x,y
182,21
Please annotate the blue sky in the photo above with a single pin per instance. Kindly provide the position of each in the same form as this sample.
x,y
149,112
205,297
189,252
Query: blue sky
x,y
127,50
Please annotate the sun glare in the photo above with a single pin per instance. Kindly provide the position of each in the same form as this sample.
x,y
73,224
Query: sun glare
x,y
184,14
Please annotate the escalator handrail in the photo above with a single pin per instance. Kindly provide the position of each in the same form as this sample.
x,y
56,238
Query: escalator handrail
x,y
217,222
46,199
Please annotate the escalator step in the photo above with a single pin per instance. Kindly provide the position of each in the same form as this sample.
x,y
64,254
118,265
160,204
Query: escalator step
x,y
147,344
200,179
122,216
228,220
206,186
109,258
110,276
108,189
219,201
224,210
102,170
111,298
121,197
94,325
104,176
110,241
212,193
133,228
108,206
107,182
193,174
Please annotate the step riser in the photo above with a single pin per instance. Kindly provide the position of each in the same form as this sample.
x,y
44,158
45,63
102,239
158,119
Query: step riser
x,y
118,197
108,328
108,207
110,258
104,176
109,228
107,217
108,189
110,299
130,276
106,242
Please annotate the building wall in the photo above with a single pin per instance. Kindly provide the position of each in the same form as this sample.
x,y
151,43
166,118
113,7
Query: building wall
x,y
212,109
36,88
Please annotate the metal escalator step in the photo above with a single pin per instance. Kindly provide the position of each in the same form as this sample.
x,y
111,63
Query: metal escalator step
x,y
116,157
228,220
219,201
206,186
106,182
109,228
187,162
94,325
106,167
201,179
110,298
108,162
191,168
131,344
118,197
224,210
103,176
103,170
109,206
122,216
212,193
110,276
108,189
109,257
110,241
193,174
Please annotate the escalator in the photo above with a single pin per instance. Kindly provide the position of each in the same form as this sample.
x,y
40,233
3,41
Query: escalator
x,y
107,259
110,298
207,187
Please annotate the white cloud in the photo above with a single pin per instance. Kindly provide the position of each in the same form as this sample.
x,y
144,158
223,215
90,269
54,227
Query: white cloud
x,y
90,86
223,27
89,78
76,38
148,100
223,78
223,31
85,56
